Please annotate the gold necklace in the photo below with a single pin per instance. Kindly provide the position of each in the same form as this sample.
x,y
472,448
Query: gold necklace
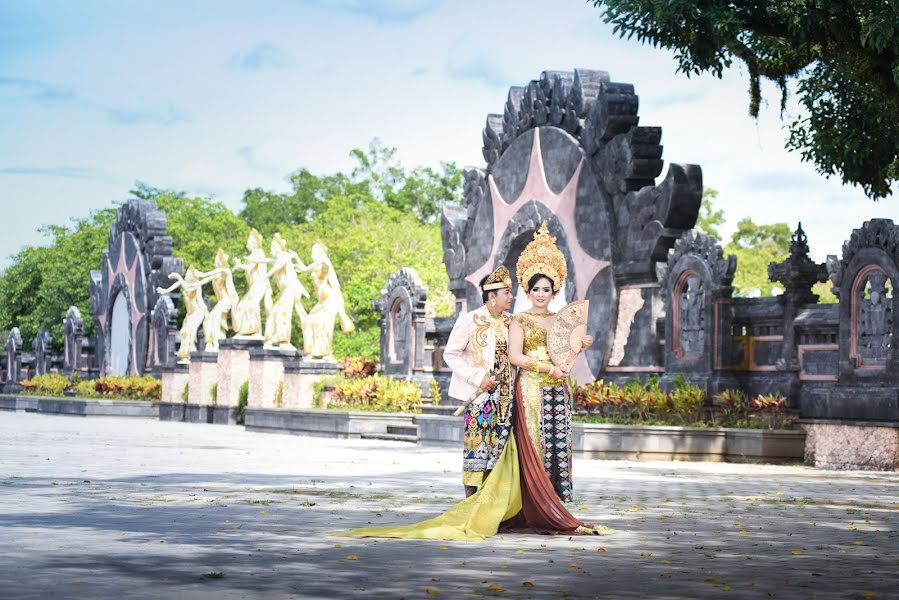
x,y
536,314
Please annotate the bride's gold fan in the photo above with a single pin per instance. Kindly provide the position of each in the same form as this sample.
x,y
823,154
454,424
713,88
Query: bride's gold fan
x,y
564,340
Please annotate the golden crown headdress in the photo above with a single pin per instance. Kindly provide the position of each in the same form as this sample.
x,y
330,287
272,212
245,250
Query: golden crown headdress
x,y
499,279
256,237
544,257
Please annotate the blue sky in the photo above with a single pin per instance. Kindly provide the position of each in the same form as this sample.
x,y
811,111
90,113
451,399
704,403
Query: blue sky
x,y
217,97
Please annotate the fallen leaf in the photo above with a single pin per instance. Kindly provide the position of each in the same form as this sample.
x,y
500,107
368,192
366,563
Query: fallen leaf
x,y
743,532
495,587
583,509
519,552
161,541
644,553
504,566
527,584
666,499
444,547
352,557
235,527
666,562
858,543
796,552
216,575
263,512
725,588
338,546
432,592
120,533
601,549
574,565
867,594
710,580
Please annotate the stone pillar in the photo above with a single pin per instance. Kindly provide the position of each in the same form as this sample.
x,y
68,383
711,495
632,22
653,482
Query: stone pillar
x,y
73,336
267,376
203,370
300,377
234,369
175,378
13,362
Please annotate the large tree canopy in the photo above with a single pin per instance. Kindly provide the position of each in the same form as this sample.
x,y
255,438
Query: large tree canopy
x,y
843,55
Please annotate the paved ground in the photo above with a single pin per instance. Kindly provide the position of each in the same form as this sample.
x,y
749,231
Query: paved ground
x,y
112,508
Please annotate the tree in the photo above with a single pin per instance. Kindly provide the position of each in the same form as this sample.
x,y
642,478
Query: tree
x,y
710,219
363,245
41,282
844,57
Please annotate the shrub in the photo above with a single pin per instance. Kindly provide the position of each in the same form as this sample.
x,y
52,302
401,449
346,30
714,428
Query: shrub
x,y
214,393
279,395
377,392
51,384
358,366
243,396
436,396
687,400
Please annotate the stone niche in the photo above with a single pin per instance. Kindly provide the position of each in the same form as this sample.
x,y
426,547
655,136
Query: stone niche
x,y
569,150
137,260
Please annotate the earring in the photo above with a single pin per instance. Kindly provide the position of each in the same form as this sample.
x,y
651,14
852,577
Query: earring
x,y
492,302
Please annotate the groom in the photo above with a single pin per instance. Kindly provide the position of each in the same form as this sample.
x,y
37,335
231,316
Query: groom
x,y
477,353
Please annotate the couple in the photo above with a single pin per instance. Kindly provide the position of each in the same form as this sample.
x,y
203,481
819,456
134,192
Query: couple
x,y
517,457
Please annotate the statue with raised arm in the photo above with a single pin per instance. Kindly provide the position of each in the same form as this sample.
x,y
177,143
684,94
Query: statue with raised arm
x,y
192,295
215,325
247,316
318,326
279,323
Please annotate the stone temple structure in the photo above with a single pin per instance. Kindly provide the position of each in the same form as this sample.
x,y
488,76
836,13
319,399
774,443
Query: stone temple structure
x,y
569,150
123,292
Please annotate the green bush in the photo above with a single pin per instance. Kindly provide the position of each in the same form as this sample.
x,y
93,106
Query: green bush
x,y
639,403
214,393
129,388
243,396
51,384
376,393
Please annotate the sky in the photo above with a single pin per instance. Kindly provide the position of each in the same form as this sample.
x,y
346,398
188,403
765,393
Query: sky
x,y
213,98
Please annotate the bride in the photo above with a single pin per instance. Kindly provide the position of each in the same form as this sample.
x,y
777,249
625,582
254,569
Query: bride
x,y
522,493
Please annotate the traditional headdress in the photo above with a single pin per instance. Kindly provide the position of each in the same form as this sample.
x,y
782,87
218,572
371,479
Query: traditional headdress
x,y
499,279
544,257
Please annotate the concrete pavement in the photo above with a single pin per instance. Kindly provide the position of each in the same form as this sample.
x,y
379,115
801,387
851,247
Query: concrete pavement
x,y
112,508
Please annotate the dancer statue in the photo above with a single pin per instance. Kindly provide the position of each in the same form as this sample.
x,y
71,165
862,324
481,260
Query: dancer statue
x,y
247,317
215,325
279,323
318,326
192,295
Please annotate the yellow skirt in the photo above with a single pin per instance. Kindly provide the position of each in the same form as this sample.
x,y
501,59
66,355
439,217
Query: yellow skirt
x,y
473,519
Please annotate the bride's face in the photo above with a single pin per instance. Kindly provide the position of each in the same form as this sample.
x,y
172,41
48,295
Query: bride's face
x,y
541,293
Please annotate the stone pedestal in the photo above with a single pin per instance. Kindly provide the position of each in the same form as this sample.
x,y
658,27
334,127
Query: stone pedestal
x,y
862,445
174,381
203,376
234,369
267,376
300,378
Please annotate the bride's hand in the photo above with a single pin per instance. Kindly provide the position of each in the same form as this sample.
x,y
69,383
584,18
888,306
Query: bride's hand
x,y
558,373
586,342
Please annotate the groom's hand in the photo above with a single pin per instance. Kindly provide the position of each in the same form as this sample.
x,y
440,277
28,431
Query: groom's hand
x,y
488,383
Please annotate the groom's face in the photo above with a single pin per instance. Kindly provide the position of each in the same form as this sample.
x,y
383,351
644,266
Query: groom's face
x,y
504,299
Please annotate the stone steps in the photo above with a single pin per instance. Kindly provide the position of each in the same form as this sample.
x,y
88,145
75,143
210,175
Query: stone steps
x,y
391,437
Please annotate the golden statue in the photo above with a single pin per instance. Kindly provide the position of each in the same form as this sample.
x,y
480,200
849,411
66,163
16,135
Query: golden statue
x,y
318,326
246,316
215,325
279,323
192,295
